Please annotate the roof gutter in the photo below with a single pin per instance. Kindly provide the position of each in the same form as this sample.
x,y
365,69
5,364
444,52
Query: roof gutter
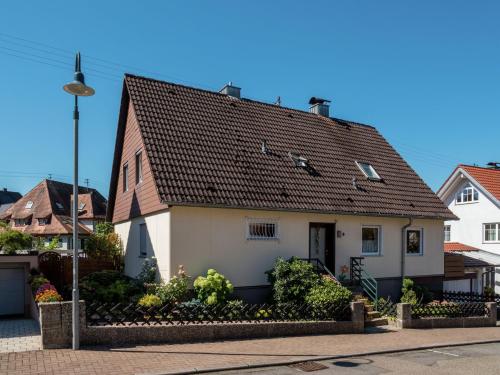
x,y
403,229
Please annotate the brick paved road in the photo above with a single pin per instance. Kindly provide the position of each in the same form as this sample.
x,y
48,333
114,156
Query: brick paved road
x,y
161,359
19,335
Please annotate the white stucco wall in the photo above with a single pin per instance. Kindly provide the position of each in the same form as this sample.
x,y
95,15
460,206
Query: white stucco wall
x,y
469,229
203,238
158,242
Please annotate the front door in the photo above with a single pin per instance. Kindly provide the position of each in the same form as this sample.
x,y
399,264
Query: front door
x,y
322,243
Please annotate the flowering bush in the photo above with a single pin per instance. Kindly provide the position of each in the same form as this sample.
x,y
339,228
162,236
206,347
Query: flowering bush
x,y
149,300
213,289
37,281
47,293
176,290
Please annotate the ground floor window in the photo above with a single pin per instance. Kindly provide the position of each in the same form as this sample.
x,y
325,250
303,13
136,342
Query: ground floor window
x,y
370,240
447,233
414,241
262,229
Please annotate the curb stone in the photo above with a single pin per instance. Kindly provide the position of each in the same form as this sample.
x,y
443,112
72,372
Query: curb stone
x,y
247,366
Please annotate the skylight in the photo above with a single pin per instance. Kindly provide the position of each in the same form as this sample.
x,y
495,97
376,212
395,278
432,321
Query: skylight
x,y
81,206
368,170
29,204
59,205
298,160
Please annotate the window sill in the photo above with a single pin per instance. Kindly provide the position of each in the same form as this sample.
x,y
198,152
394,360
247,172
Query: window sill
x,y
143,256
415,255
465,203
371,254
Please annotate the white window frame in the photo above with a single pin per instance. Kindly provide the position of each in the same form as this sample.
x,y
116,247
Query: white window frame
x,y
138,167
460,195
497,233
421,250
379,249
29,205
271,221
447,231
375,177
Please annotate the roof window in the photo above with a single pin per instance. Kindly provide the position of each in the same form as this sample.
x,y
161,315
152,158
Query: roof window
x,y
29,204
59,206
81,206
368,171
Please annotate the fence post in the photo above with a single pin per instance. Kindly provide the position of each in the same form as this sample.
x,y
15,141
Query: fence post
x,y
492,307
55,324
403,319
358,316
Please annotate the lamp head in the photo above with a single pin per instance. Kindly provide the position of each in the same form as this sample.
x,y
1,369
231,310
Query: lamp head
x,y
78,86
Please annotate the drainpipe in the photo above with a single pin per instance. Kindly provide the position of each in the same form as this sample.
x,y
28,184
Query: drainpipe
x,y
403,229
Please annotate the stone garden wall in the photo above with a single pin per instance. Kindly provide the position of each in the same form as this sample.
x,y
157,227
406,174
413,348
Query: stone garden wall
x,y
55,325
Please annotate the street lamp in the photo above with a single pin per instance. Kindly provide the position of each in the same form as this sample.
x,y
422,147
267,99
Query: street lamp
x,y
76,88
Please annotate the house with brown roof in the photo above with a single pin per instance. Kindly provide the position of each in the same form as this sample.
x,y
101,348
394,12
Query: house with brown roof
x,y
46,212
8,198
214,180
472,193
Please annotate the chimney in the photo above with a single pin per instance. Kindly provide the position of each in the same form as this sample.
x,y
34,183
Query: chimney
x,y
231,90
494,165
319,106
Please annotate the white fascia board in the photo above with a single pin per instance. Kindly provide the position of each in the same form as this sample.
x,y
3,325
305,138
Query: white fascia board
x,y
446,188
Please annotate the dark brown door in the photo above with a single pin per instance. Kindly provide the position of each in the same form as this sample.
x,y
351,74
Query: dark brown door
x,y
322,243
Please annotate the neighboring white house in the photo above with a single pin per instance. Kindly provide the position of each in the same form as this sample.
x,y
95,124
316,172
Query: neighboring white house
x,y
212,180
472,193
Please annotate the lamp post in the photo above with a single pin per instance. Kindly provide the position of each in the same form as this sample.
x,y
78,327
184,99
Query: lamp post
x,y
76,88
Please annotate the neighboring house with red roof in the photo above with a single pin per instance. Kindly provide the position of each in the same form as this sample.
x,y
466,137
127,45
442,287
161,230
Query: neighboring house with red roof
x,y
213,180
45,212
472,193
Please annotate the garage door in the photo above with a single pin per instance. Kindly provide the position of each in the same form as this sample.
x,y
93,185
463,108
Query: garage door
x,y
12,287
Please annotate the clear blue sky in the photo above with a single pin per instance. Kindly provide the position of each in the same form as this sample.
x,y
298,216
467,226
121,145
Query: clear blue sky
x,y
425,73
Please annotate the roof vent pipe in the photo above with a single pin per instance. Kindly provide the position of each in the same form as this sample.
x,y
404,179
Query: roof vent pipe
x,y
319,106
231,90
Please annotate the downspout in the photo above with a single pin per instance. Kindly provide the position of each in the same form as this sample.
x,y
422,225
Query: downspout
x,y
403,229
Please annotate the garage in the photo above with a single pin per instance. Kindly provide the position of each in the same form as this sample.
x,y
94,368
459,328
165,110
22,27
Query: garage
x,y
12,291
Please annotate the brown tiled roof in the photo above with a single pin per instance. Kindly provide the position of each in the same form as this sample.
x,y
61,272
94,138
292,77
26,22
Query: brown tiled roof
x,y
457,246
52,199
205,150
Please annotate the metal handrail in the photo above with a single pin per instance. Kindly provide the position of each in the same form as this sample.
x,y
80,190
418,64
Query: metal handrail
x,y
360,275
319,265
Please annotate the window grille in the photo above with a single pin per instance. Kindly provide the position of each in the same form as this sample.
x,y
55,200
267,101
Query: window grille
x,y
262,229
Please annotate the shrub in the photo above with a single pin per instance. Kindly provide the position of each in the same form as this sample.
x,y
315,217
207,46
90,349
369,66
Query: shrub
x,y
149,300
327,293
176,290
291,280
37,281
409,295
104,243
235,309
212,289
109,286
148,271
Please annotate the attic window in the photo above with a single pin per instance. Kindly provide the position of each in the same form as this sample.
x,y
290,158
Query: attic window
x,y
81,206
44,221
59,206
29,204
368,171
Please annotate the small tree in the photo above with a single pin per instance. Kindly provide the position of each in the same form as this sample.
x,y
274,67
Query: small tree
x,y
12,240
104,243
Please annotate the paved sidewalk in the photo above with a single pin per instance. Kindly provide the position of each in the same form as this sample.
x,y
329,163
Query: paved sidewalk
x,y
161,359
19,335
